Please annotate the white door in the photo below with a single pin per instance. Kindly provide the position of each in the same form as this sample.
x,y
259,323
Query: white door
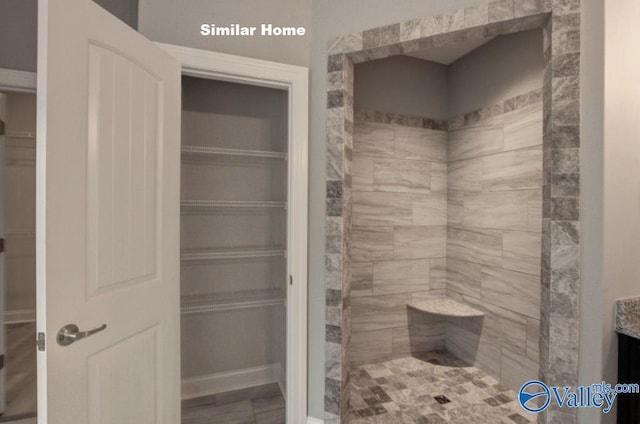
x,y
107,220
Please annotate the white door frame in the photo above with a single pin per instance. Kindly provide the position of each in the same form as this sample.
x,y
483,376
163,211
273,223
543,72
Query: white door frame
x,y
294,79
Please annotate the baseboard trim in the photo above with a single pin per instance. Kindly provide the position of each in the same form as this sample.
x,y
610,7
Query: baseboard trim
x,y
205,385
24,421
312,420
282,382
19,316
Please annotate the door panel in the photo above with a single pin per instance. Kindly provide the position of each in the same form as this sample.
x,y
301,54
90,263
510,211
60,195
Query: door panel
x,y
122,170
130,372
107,219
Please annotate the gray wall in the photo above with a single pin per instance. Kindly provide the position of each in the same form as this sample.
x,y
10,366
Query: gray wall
x,y
126,10
390,85
503,68
18,29
621,241
18,36
175,22
592,305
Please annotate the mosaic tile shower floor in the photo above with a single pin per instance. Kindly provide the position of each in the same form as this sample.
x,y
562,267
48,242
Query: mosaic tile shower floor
x,y
431,388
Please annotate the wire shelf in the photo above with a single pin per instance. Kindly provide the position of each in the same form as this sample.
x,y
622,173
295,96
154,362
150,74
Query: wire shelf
x,y
232,152
20,134
197,304
207,255
231,204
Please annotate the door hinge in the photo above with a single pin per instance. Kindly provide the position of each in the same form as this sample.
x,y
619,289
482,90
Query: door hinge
x,y
1,361
291,280
41,342
1,245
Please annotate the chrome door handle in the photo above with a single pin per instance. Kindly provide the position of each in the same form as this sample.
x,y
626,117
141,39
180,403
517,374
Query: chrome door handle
x,y
71,333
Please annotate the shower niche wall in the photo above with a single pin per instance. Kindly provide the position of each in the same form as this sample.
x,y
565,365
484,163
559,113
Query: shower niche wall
x,y
444,248
234,235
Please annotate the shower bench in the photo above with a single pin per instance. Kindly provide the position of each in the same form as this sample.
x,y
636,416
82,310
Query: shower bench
x,y
446,307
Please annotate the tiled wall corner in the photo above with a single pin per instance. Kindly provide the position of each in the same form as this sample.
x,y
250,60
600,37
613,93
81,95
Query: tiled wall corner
x,y
494,236
399,233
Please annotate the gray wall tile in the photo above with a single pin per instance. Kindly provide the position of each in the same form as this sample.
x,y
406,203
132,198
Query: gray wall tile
x,y
371,346
521,251
476,245
476,15
465,175
500,10
438,273
398,175
379,208
361,279
517,369
500,210
523,128
379,312
516,170
464,277
422,144
362,173
372,244
430,209
419,242
504,287
453,20
432,25
373,139
475,141
401,269
438,177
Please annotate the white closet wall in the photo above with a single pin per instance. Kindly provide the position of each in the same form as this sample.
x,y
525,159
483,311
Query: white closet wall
x,y
233,235
20,195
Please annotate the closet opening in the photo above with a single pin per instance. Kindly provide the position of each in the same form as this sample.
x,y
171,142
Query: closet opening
x,y
18,403
234,251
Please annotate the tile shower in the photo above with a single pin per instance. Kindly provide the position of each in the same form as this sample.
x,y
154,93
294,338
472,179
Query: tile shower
x,y
479,208
452,210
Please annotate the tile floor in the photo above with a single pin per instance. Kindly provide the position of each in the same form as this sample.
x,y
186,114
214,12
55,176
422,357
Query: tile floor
x,y
21,372
431,388
255,405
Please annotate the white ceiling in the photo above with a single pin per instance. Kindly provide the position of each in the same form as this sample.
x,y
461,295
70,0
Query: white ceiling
x,y
446,55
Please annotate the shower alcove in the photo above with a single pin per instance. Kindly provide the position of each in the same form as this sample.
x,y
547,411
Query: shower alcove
x,y
452,200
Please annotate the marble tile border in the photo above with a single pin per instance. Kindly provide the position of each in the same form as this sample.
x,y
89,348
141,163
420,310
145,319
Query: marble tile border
x,y
368,115
518,102
560,20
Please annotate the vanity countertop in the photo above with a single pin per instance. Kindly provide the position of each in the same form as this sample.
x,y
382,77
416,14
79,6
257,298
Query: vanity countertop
x,y
628,317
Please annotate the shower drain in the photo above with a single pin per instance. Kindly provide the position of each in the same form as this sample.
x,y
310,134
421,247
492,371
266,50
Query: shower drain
x,y
442,399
